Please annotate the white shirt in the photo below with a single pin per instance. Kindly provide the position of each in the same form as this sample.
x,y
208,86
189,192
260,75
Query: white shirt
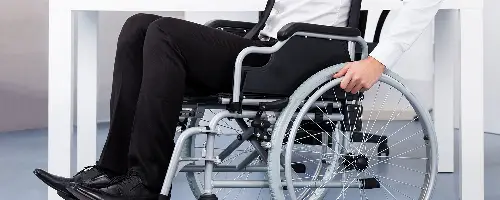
x,y
411,21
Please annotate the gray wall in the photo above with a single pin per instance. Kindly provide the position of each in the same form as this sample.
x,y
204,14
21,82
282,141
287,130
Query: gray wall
x,y
23,68
23,62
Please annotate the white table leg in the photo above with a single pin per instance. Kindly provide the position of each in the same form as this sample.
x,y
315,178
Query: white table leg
x,y
447,55
471,108
60,93
87,87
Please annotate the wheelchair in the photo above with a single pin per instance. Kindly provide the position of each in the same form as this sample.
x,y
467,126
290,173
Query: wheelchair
x,y
288,131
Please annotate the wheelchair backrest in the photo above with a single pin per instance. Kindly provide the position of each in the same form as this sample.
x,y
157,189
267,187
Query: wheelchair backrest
x,y
354,21
302,57
354,14
263,16
357,19
298,59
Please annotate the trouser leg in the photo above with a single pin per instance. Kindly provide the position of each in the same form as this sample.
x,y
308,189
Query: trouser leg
x,y
177,54
127,78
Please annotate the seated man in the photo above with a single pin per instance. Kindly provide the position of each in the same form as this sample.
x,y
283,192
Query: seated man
x,y
158,59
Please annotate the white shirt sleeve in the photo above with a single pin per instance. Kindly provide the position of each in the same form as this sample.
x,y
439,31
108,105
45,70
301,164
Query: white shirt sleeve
x,y
409,24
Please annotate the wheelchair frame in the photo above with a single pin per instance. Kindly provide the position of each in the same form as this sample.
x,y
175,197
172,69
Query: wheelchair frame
x,y
234,109
210,158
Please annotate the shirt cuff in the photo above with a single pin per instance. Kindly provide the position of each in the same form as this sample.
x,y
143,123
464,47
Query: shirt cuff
x,y
387,53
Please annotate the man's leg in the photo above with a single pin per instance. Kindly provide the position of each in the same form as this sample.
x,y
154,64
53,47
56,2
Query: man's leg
x,y
126,83
127,78
177,54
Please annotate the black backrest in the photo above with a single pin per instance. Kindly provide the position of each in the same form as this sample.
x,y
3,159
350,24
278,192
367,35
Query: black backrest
x,y
363,18
380,25
354,14
300,58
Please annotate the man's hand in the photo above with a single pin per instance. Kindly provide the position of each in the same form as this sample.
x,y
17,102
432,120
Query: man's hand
x,y
360,75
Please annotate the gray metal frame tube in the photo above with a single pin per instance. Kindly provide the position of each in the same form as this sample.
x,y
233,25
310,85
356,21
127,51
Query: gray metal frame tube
x,y
230,168
174,161
265,184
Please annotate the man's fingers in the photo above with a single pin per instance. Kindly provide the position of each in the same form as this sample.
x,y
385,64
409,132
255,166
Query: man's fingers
x,y
347,79
342,71
352,84
357,88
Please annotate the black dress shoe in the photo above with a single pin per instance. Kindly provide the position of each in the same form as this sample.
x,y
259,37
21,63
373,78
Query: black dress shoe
x,y
130,187
92,176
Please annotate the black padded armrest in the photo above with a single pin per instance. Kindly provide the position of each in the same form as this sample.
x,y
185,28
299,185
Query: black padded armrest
x,y
292,28
230,24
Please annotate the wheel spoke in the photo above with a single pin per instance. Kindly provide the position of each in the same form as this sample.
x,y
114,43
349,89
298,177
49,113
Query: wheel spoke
x,y
330,123
390,147
340,151
397,156
378,114
388,137
372,108
389,185
401,157
384,128
403,167
383,186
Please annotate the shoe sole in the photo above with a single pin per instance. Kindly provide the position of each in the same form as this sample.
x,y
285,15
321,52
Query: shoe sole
x,y
82,196
65,194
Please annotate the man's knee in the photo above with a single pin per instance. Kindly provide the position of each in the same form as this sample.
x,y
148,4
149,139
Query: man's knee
x,y
140,21
136,25
171,26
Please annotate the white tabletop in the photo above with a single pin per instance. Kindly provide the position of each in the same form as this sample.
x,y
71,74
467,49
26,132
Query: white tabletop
x,y
394,4
220,5
160,5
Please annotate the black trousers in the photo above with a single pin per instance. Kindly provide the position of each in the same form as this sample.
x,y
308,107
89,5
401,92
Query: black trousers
x,y
157,60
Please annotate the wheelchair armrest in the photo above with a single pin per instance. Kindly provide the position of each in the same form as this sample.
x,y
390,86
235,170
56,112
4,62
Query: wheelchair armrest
x,y
230,24
292,28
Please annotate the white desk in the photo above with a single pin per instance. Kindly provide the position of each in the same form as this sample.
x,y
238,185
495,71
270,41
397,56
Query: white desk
x,y
460,20
458,49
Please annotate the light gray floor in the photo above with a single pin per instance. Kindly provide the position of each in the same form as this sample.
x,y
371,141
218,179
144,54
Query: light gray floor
x,y
22,151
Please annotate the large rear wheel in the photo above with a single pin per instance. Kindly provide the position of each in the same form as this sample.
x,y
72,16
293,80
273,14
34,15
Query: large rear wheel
x,y
381,153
